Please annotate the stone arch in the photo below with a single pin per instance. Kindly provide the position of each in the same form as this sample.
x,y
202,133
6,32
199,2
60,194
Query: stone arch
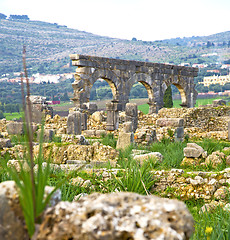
x,y
146,80
106,75
182,94
181,85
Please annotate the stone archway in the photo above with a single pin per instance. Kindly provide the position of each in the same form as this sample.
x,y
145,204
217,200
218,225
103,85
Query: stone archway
x,y
146,81
122,74
85,77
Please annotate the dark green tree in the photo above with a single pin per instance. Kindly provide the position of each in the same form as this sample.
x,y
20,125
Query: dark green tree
x,y
209,44
1,114
168,102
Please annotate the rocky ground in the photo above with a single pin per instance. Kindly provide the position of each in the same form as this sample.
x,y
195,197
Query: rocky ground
x,y
125,216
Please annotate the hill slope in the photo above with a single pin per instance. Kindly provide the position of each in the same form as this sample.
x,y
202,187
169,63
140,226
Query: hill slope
x,y
49,46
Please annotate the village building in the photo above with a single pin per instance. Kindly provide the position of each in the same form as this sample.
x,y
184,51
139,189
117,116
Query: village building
x,y
216,80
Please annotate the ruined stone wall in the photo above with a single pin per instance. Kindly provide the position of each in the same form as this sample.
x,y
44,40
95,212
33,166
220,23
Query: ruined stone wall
x,y
205,118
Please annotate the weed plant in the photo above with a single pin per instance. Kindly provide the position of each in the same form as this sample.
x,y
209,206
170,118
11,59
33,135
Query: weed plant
x,y
31,184
212,225
109,140
172,152
212,145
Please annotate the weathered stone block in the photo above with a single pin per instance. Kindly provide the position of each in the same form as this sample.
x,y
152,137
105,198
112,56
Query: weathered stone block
x,y
193,150
84,121
74,123
124,140
97,117
218,102
170,122
153,155
112,122
100,133
89,133
48,135
128,127
15,128
12,220
91,107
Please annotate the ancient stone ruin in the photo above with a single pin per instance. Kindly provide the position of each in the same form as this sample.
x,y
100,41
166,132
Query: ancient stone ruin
x,y
40,108
121,75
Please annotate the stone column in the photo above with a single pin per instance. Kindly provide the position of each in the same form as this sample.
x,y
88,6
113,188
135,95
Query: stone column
x,y
179,134
80,86
126,136
131,114
74,123
112,109
84,121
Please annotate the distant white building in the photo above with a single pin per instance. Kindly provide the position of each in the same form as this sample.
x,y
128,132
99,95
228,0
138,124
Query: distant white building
x,y
41,78
197,65
184,64
209,54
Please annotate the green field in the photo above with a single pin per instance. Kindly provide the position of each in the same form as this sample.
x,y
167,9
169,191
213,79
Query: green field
x,y
14,115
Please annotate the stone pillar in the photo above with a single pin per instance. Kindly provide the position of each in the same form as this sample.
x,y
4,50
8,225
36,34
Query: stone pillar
x,y
84,121
74,123
112,109
126,136
179,134
131,114
80,86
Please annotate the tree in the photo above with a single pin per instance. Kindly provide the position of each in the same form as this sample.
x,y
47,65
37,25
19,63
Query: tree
x,y
2,16
215,87
201,88
209,44
65,97
168,102
19,17
93,94
1,114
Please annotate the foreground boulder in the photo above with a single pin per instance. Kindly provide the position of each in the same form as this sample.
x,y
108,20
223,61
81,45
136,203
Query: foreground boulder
x,y
12,223
117,216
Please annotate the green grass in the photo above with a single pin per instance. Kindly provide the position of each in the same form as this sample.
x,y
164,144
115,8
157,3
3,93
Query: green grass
x,y
14,115
144,108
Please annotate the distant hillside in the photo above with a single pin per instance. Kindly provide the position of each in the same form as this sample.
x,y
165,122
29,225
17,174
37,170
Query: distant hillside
x,y
49,45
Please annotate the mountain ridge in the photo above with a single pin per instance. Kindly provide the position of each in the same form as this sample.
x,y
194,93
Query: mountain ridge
x,y
49,45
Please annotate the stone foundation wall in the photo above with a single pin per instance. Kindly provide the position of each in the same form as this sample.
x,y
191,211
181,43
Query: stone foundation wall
x,y
205,118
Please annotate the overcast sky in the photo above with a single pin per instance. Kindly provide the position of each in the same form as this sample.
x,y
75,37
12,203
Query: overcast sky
x,y
147,20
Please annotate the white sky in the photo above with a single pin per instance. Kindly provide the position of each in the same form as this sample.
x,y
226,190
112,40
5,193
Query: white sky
x,y
147,20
